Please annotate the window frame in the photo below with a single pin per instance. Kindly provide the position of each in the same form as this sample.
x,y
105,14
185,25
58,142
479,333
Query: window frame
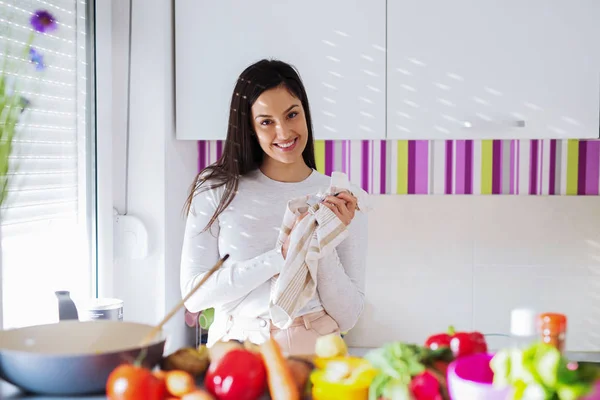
x,y
87,146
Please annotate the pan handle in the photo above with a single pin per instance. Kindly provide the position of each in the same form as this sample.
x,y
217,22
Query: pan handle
x,y
66,307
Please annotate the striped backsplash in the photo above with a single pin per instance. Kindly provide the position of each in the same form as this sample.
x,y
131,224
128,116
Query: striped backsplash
x,y
518,167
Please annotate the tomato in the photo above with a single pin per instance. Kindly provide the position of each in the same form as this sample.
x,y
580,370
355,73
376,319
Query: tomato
x,y
129,382
239,375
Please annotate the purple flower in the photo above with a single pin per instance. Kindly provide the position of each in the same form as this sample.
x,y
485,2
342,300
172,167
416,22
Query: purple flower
x,y
36,58
42,21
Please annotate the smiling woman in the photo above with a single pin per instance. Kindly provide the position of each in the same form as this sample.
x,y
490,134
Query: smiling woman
x,y
237,205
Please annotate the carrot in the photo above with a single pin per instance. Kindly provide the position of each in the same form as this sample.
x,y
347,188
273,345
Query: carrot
x,y
281,383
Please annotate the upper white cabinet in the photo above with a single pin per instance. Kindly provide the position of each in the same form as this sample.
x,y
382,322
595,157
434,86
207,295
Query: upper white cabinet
x,y
338,47
501,69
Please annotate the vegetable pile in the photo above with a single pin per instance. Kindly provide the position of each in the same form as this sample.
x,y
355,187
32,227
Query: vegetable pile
x,y
396,371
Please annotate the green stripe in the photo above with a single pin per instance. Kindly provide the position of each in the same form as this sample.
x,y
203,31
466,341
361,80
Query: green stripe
x,y
572,166
320,155
487,154
402,167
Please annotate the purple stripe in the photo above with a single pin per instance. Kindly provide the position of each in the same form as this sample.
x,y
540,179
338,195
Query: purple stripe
x,y
365,165
541,172
382,167
533,166
328,157
201,155
219,149
460,167
421,167
593,168
552,166
372,180
344,170
449,163
469,167
497,167
518,175
411,166
581,168
513,172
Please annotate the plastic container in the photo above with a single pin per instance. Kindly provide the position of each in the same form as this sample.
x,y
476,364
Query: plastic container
x,y
103,309
553,329
470,378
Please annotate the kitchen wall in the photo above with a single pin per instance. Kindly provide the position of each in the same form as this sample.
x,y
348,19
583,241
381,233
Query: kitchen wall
x,y
466,261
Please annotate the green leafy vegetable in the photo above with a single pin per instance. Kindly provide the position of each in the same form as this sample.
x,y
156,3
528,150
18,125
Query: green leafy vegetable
x,y
542,372
398,363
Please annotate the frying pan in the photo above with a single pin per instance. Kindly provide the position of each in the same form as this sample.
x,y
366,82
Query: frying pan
x,y
73,357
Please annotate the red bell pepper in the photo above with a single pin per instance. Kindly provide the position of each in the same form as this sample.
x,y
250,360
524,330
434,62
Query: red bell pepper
x,y
461,343
239,375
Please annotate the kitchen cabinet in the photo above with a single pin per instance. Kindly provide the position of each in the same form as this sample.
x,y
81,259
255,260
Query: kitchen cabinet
x,y
510,69
338,47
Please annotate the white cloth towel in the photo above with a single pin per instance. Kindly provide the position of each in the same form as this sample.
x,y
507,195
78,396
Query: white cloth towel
x,y
318,233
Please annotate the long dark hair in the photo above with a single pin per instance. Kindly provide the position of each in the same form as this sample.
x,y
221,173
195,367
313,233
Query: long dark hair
x,y
242,152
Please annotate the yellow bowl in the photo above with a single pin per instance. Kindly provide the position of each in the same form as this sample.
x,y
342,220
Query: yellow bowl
x,y
358,389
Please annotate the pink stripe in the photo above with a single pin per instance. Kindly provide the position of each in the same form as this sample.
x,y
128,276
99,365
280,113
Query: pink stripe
x,y
459,175
592,175
421,167
513,172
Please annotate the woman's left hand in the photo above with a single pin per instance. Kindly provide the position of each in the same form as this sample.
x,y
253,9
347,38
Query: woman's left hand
x,y
343,205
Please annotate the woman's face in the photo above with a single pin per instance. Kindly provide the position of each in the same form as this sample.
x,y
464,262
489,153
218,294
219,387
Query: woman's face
x,y
280,125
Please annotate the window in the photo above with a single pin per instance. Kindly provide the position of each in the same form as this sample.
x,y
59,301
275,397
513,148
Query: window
x,y
48,220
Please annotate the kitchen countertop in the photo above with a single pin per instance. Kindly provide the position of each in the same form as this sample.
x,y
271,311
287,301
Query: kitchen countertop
x,y
8,391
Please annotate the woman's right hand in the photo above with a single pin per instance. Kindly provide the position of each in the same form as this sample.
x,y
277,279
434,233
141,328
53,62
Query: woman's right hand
x,y
286,244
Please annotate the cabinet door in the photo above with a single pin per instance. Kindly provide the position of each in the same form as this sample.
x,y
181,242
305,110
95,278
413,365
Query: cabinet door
x,y
338,47
493,69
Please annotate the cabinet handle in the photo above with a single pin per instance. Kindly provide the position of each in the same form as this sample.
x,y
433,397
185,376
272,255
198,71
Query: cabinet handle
x,y
519,124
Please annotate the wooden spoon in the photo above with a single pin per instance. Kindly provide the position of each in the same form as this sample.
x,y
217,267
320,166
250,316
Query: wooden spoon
x,y
150,336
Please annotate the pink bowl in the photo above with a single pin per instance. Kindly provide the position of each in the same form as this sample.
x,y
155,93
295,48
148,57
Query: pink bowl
x,y
470,378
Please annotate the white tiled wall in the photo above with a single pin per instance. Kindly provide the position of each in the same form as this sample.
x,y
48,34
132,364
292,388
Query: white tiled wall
x,y
466,261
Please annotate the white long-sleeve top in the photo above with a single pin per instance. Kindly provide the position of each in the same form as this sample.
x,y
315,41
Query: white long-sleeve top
x,y
247,230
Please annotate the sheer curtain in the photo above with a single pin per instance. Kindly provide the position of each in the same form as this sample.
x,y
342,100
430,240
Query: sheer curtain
x,y
47,223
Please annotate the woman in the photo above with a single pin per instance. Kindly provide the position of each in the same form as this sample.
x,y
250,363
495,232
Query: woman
x,y
236,207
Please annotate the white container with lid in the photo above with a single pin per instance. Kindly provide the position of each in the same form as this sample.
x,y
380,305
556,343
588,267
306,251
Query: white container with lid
x,y
102,309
